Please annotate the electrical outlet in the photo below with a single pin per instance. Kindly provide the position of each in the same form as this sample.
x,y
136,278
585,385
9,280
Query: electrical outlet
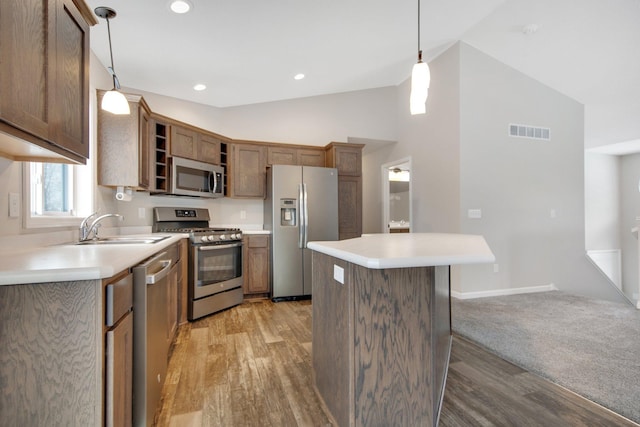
x,y
496,268
243,214
14,205
142,213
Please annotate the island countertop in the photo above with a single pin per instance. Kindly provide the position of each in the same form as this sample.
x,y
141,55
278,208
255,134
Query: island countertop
x,y
395,250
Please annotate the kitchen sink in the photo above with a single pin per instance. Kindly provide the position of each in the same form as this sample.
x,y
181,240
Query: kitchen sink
x,y
118,240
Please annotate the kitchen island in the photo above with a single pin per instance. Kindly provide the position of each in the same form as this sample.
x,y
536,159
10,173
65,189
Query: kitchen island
x,y
382,324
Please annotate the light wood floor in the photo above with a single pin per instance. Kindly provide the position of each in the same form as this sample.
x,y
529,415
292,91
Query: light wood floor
x,y
251,366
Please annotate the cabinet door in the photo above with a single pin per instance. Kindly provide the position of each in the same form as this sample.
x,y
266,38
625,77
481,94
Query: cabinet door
x,y
71,100
119,373
184,143
281,156
310,157
349,207
209,149
249,171
256,259
348,160
124,145
27,32
144,148
183,281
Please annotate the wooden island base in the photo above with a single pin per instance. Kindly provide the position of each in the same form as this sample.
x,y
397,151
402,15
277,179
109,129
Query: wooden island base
x,y
381,342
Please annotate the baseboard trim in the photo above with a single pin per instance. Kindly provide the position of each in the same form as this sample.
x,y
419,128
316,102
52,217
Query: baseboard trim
x,y
502,292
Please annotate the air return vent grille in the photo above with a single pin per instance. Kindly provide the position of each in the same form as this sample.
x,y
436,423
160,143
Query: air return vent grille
x,y
533,132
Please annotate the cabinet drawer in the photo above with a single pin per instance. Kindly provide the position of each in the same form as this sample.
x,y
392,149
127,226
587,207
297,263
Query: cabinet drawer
x,y
119,299
258,241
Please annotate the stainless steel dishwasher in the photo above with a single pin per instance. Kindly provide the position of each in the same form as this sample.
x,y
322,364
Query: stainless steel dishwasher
x,y
151,281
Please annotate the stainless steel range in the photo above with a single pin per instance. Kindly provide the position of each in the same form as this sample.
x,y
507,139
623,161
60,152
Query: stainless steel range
x,y
215,259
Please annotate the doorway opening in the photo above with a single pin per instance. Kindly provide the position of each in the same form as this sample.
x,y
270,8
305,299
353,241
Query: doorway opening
x,y
396,196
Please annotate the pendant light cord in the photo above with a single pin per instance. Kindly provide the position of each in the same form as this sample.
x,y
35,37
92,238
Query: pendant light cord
x,y
419,50
116,82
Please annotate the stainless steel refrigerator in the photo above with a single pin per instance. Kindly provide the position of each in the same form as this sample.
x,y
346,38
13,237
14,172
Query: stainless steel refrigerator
x,y
301,207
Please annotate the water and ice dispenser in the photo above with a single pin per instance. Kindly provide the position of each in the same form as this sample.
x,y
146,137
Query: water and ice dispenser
x,y
288,212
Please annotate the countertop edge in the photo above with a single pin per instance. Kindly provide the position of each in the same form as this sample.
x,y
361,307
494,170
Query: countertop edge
x,y
355,251
73,264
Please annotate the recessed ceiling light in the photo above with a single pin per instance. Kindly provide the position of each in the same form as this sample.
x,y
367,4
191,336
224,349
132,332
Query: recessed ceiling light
x,y
180,6
199,87
299,76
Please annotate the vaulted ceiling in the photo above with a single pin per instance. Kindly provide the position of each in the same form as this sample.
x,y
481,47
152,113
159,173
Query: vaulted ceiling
x,y
248,51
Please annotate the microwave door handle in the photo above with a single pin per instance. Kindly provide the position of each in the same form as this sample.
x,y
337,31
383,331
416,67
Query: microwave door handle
x,y
212,181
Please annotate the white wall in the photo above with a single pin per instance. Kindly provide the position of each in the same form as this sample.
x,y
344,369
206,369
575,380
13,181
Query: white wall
x,y
531,192
630,210
602,201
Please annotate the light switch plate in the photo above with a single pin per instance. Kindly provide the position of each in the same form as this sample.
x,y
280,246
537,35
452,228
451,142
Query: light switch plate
x,y
474,213
338,274
14,205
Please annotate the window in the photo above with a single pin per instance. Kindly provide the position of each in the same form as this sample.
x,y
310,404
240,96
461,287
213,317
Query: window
x,y
59,195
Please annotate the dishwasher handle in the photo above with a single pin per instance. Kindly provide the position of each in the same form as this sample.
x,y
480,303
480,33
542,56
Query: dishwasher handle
x,y
154,278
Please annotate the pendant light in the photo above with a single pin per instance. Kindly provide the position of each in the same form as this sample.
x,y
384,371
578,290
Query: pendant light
x,y
420,79
113,101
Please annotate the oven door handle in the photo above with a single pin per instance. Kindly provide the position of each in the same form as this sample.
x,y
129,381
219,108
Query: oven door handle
x,y
214,247
152,279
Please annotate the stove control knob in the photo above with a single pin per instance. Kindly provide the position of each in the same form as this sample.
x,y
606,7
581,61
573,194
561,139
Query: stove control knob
x,y
233,236
223,237
207,238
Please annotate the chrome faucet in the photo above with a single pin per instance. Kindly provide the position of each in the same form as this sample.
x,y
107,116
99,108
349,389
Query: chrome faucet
x,y
87,230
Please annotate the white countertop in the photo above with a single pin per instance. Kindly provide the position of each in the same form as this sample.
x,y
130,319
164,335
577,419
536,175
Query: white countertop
x,y
69,262
401,250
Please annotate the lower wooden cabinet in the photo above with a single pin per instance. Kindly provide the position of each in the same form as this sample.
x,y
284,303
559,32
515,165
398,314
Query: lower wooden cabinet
x,y
255,270
118,385
183,280
349,207
119,373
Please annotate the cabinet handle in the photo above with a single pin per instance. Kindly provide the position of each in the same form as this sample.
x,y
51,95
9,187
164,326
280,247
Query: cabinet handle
x,y
152,279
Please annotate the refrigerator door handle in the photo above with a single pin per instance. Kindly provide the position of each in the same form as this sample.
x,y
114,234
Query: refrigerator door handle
x,y
306,216
301,224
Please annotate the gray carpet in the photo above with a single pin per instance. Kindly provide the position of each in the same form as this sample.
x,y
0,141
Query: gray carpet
x,y
588,346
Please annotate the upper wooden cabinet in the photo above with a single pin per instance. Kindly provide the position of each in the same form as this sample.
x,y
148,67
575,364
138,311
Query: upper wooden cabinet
x,y
248,171
44,80
123,146
311,157
347,158
279,155
191,144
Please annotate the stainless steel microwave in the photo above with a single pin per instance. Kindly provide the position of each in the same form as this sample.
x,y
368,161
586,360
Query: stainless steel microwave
x,y
193,178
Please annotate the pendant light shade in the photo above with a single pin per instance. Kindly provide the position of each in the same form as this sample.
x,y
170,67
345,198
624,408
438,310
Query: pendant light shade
x,y
113,101
420,80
